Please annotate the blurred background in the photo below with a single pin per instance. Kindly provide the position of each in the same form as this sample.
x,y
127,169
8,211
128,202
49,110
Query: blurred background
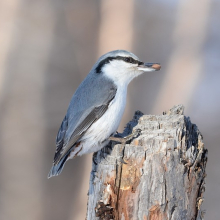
x,y
47,49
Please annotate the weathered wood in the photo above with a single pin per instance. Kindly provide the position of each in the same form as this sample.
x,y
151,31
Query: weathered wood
x,y
163,177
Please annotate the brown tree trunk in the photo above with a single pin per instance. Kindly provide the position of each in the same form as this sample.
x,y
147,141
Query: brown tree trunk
x,y
158,175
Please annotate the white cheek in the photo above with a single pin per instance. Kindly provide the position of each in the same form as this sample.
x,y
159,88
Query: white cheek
x,y
118,72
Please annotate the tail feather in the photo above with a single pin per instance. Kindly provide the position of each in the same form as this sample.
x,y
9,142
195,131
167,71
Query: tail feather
x,y
57,168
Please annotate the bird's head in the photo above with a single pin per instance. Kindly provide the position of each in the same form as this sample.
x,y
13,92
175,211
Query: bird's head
x,y
122,66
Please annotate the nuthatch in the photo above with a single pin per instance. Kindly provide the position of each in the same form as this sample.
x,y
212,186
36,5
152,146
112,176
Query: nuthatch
x,y
97,106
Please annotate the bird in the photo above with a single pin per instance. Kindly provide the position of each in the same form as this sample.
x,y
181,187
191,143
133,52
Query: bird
x,y
97,106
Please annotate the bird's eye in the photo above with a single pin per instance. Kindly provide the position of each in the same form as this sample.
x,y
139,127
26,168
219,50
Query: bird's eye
x,y
128,59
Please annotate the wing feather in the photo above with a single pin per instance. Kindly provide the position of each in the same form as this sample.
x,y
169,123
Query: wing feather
x,y
65,142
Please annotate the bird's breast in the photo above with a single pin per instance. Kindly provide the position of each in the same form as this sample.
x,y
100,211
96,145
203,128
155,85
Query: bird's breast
x,y
109,122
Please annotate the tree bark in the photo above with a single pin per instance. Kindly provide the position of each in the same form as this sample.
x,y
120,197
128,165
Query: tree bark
x,y
159,175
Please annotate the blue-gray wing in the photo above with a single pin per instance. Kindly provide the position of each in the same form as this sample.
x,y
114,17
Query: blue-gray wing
x,y
88,104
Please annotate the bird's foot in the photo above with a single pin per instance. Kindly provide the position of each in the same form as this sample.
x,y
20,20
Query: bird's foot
x,y
97,159
124,140
94,158
102,154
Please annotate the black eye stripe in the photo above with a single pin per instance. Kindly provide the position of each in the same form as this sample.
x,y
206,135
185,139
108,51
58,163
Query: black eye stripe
x,y
108,59
131,60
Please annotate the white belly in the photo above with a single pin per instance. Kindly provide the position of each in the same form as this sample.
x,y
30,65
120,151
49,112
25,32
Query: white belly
x,y
97,135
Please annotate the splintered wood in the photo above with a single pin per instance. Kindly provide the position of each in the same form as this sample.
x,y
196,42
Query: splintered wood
x,y
159,175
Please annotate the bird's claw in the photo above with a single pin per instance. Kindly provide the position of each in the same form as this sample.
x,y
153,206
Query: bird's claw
x,y
124,140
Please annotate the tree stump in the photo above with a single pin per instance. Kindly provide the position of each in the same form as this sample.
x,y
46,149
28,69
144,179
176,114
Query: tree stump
x,y
159,175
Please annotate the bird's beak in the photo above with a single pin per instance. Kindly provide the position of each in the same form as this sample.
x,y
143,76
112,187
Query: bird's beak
x,y
147,67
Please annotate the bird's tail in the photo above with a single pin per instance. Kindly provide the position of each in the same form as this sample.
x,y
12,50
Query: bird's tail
x,y
57,168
